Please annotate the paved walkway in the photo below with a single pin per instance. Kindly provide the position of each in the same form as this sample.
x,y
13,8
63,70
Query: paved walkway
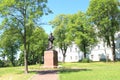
x,y
46,75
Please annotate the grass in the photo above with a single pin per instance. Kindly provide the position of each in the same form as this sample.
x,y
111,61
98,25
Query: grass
x,y
70,71
90,71
17,73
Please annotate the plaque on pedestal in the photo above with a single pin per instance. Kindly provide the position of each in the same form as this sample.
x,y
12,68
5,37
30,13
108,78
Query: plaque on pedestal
x,y
50,59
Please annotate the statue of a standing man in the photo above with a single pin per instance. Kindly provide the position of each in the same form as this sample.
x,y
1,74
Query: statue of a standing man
x,y
50,39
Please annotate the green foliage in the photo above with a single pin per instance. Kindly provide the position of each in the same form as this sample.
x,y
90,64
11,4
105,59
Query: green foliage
x,y
107,23
23,14
73,28
105,15
83,32
37,46
1,63
39,40
21,59
9,44
60,23
85,60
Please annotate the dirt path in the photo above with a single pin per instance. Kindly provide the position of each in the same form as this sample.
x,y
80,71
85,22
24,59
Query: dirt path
x,y
46,75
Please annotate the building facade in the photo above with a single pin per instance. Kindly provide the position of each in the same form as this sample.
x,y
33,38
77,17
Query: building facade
x,y
97,53
73,54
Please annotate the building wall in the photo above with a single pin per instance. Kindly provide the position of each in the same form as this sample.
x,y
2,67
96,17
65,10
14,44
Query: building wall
x,y
117,43
99,52
73,54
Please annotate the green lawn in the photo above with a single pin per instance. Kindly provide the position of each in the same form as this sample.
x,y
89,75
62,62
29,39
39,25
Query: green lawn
x,y
17,73
90,71
70,71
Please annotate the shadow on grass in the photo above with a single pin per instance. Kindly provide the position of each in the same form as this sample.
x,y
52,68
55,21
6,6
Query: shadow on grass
x,y
48,72
68,70
62,70
43,72
33,72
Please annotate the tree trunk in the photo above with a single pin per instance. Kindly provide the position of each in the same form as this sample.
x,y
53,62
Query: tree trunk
x,y
25,41
63,52
63,57
107,57
25,49
113,48
12,59
84,47
25,58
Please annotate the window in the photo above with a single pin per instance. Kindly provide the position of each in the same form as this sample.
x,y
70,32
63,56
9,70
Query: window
x,y
59,58
71,57
76,57
98,46
119,45
104,45
92,56
76,49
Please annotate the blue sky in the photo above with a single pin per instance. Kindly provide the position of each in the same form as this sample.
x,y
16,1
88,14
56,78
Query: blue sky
x,y
63,7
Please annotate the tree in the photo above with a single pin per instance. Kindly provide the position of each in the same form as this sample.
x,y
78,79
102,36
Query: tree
x,y
105,14
39,40
60,23
23,13
37,46
9,44
82,32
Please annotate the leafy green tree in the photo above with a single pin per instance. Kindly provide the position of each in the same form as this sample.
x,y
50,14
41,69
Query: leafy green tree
x,y
22,13
105,15
37,46
39,40
73,28
9,44
82,32
60,23
1,63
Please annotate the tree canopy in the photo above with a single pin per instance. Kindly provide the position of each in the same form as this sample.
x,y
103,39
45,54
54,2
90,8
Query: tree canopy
x,y
23,14
60,23
74,28
105,15
82,31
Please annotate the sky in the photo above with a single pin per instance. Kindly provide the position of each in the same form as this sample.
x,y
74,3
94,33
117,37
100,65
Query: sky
x,y
63,7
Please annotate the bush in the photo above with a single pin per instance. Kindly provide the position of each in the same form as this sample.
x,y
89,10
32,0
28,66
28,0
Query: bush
x,y
1,63
4,63
86,60
104,60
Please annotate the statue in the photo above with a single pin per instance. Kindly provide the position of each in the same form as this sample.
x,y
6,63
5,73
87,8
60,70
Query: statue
x,y
50,43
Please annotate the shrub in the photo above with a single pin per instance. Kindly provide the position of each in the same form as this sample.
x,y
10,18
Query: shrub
x,y
86,60
1,63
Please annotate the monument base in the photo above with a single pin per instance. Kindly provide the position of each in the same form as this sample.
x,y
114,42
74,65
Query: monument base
x,y
50,59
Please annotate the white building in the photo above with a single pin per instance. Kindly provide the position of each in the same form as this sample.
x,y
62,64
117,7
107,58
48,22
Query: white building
x,y
99,52
73,54
117,45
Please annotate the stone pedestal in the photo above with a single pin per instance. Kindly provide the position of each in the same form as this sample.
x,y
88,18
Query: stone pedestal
x,y
50,59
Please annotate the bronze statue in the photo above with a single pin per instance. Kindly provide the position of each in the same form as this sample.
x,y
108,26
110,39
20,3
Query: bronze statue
x,y
50,43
